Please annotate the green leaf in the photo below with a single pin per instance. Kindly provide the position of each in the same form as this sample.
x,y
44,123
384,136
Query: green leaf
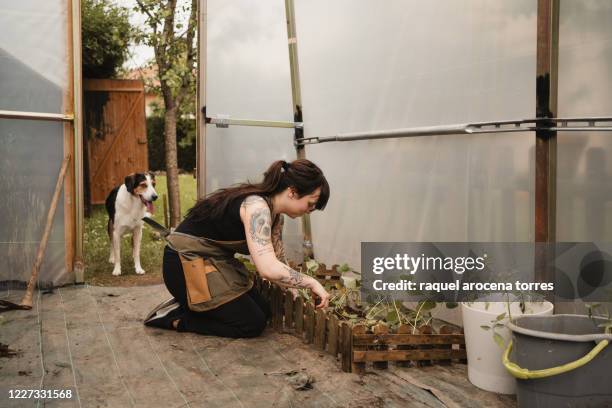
x,y
344,268
451,305
483,327
392,317
312,265
607,327
428,305
500,317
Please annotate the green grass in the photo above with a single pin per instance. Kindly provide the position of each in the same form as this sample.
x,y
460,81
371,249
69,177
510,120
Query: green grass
x,y
96,245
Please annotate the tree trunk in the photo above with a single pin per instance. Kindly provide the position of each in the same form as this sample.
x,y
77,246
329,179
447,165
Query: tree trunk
x,y
172,165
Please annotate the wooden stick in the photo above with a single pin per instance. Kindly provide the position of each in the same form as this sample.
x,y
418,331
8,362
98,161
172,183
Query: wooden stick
x,y
445,330
277,308
405,329
363,356
320,327
289,310
424,330
280,308
26,302
299,316
165,202
381,328
407,339
346,348
357,367
309,322
332,338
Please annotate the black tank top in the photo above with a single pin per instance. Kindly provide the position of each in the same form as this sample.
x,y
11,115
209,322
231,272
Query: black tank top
x,y
229,227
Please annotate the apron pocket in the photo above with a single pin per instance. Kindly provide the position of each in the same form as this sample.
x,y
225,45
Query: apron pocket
x,y
198,274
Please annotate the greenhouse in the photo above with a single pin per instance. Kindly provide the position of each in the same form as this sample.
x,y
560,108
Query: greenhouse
x,y
454,123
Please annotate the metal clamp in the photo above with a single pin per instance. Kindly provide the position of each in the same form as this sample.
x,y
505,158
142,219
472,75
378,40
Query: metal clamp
x,y
224,121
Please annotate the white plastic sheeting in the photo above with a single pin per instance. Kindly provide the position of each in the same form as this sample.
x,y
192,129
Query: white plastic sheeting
x,y
248,78
365,66
33,77
34,35
584,190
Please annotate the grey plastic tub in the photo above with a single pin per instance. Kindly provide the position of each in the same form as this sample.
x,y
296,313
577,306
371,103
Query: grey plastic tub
x,y
560,361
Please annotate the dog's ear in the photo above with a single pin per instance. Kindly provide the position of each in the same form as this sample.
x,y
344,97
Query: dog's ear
x,y
130,182
151,174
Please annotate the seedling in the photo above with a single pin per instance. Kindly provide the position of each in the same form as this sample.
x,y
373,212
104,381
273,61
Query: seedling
x,y
597,310
494,326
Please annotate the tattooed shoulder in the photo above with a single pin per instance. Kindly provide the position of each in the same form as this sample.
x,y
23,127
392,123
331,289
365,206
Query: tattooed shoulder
x,y
252,199
260,226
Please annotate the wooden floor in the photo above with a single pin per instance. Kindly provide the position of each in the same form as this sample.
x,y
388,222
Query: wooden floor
x,y
91,340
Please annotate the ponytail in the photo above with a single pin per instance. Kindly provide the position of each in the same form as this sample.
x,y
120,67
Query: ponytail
x,y
302,175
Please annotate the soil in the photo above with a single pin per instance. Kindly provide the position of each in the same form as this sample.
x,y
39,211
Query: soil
x,y
93,341
127,281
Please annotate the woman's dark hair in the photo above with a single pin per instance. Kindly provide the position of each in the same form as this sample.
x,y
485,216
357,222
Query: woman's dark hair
x,y
302,175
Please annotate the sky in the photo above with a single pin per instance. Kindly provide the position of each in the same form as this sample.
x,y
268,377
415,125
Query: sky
x,y
139,54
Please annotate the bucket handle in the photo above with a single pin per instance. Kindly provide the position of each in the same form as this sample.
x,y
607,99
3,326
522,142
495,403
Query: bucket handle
x,y
526,374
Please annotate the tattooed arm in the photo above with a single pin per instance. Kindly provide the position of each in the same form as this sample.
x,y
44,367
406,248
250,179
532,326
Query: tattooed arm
x,y
257,220
277,239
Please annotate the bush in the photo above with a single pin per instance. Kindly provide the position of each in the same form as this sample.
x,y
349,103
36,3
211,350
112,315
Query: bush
x,y
106,35
185,141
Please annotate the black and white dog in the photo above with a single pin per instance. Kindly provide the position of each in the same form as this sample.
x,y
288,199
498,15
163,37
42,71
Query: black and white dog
x,y
126,205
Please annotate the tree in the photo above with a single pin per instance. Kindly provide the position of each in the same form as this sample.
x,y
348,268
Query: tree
x,y
175,55
106,34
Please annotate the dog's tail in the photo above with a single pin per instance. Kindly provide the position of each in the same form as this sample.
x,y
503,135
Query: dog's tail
x,y
109,228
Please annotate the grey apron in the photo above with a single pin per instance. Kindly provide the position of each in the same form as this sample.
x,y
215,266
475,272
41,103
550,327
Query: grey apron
x,y
213,276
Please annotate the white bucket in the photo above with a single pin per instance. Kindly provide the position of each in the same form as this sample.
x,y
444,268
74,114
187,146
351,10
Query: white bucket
x,y
485,368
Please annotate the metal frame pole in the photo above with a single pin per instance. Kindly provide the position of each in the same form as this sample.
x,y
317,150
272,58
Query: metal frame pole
x,y
52,117
546,107
296,94
77,126
546,137
201,100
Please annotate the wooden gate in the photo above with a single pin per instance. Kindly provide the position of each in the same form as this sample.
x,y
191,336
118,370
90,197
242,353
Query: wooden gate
x,y
115,128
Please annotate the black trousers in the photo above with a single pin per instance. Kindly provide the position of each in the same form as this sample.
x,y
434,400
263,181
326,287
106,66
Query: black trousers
x,y
245,316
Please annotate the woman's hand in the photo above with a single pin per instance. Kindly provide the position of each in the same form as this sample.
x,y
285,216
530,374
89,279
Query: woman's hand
x,y
319,291
294,293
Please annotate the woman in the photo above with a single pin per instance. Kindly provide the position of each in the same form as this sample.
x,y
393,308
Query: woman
x,y
213,292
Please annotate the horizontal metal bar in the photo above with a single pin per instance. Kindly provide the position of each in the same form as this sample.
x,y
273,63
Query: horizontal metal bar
x,y
581,129
56,117
584,119
225,122
396,133
507,126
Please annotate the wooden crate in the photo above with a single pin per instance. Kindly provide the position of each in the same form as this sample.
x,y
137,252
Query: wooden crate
x,y
356,346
